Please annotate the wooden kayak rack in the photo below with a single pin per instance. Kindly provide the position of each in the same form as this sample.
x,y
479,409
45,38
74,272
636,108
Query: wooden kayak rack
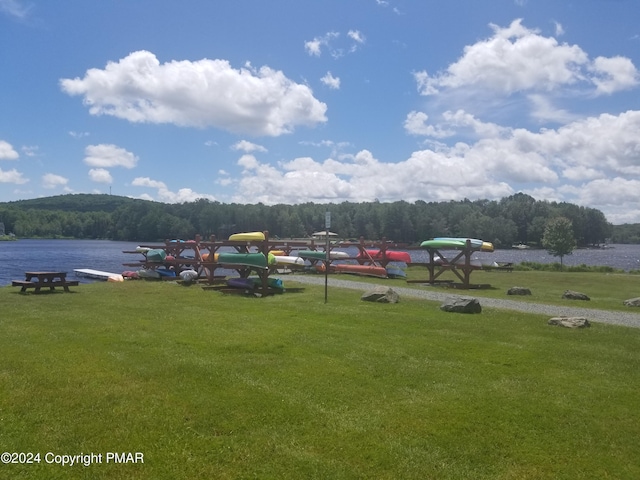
x,y
384,247
460,265
199,255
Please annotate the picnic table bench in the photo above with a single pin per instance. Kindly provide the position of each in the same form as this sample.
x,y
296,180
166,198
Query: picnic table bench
x,y
501,267
39,280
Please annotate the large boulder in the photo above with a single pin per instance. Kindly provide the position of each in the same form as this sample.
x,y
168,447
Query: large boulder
x,y
571,295
569,322
381,295
518,291
461,305
632,302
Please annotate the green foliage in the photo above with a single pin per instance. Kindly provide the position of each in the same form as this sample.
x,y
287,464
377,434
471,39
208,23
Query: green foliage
x,y
627,233
556,267
515,219
558,237
219,386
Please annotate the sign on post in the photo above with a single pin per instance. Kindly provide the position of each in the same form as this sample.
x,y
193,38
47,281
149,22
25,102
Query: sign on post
x,y
327,226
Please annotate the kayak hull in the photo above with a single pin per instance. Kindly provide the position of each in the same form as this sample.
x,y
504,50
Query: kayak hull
x,y
457,243
366,270
317,255
288,260
391,255
256,260
247,237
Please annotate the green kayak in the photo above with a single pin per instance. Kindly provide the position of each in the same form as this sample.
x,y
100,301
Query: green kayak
x,y
257,260
451,244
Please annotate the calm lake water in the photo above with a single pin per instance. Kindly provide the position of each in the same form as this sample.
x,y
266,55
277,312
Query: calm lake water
x,y
66,255
62,255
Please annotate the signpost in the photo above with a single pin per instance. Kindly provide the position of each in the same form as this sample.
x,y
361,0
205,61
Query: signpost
x,y
327,226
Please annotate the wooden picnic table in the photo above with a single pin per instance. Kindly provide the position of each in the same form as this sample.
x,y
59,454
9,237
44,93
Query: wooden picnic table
x,y
38,280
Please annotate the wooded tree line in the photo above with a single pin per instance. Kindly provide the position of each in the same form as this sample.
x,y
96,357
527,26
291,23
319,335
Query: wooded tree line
x,y
515,219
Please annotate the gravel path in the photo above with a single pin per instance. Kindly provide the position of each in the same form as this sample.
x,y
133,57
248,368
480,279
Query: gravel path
x,y
593,315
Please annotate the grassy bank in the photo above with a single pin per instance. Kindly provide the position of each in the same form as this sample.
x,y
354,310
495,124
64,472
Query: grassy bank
x,y
217,386
607,291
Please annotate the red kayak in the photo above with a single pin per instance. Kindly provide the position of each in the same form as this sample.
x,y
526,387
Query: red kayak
x,y
391,255
368,270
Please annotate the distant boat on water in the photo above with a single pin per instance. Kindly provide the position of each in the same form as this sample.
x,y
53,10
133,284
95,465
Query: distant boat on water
x,y
520,246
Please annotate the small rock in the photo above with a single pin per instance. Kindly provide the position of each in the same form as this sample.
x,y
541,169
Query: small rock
x,y
518,291
381,295
571,295
461,305
569,322
632,302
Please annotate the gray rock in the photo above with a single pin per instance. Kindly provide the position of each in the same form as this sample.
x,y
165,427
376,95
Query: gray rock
x,y
632,302
381,295
571,295
461,305
518,291
569,322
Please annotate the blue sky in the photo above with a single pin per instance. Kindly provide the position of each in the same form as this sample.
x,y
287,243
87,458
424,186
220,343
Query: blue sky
x,y
291,101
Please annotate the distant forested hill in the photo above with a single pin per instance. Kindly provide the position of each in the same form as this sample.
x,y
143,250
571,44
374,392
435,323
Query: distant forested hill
x,y
81,202
515,219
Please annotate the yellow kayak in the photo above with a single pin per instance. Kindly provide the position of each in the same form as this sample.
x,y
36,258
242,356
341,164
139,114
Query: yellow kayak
x,y
246,237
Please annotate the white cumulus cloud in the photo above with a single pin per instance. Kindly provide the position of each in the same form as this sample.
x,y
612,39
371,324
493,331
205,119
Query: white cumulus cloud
x,y
614,74
7,152
248,147
12,176
416,124
330,81
51,180
107,156
100,175
519,59
167,196
204,93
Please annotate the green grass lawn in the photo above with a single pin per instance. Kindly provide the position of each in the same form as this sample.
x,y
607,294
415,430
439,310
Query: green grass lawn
x,y
208,385
607,291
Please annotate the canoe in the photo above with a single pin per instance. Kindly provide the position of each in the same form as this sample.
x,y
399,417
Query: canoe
x,y
246,237
391,255
395,272
188,275
156,255
287,260
238,282
144,273
443,244
272,282
486,247
165,272
254,282
257,260
476,243
367,270
318,255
